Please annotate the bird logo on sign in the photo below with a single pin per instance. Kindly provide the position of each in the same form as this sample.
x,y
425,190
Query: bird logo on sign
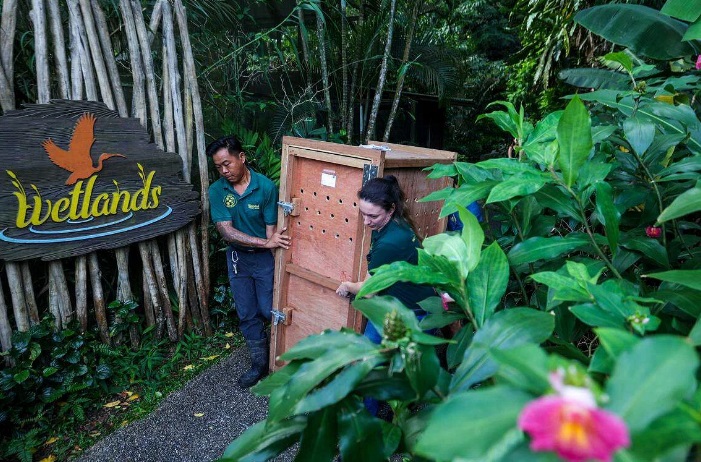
x,y
77,159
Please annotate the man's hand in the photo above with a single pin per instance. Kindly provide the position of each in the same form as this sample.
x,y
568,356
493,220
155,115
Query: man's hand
x,y
278,239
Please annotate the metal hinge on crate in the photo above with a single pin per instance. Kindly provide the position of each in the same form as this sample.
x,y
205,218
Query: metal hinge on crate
x,y
288,208
369,172
282,317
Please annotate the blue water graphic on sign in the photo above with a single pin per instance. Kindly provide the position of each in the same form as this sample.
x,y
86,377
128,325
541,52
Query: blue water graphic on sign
x,y
70,231
5,238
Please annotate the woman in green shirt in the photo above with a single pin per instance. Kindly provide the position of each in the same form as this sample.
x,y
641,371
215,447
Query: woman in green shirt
x,y
394,238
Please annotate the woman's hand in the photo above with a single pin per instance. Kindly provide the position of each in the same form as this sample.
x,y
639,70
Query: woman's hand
x,y
344,289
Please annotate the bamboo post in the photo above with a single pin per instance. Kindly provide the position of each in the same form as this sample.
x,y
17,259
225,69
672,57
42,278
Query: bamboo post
x,y
148,304
93,44
182,287
30,300
98,298
8,22
54,303
202,289
14,279
138,105
5,328
38,17
108,54
81,291
151,289
65,306
59,43
161,287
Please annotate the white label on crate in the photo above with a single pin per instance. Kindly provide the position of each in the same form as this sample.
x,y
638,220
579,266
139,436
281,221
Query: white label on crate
x,y
328,178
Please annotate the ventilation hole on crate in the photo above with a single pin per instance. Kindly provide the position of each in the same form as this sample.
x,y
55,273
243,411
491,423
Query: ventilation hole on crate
x,y
340,201
311,226
323,231
332,215
306,209
318,212
350,239
346,220
337,235
328,198
314,193
299,223
355,204
301,191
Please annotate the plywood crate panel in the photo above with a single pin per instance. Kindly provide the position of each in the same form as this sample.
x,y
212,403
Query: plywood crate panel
x,y
329,241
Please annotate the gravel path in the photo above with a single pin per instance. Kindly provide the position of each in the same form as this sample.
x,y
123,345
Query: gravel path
x,y
173,433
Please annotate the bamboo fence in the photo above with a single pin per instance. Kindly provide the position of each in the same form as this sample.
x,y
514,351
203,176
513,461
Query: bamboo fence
x,y
88,69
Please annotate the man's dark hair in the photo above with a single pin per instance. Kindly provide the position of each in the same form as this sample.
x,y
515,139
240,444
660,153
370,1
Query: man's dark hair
x,y
230,142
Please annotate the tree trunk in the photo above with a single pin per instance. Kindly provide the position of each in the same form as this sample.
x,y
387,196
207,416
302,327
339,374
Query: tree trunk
x,y
302,31
324,68
383,74
81,291
344,64
41,58
64,89
98,298
402,70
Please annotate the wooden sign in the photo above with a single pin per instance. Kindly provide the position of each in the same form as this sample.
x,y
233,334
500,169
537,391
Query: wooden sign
x,y
76,177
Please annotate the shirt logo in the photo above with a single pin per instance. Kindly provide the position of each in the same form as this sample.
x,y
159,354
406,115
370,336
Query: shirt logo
x,y
230,200
254,206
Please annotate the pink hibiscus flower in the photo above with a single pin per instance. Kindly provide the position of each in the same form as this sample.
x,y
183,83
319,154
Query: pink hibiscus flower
x,y
698,63
570,424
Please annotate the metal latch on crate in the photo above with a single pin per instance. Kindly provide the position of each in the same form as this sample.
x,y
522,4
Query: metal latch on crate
x,y
282,317
290,208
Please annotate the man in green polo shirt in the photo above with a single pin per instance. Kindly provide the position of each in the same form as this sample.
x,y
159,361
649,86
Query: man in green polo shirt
x,y
243,206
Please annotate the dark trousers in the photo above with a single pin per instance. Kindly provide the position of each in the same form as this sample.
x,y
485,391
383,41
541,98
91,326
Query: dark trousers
x,y
252,288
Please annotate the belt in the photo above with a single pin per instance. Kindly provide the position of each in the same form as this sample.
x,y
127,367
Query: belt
x,y
249,249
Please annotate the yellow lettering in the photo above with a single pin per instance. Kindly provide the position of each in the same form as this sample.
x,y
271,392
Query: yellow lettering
x,y
101,205
155,193
59,207
116,196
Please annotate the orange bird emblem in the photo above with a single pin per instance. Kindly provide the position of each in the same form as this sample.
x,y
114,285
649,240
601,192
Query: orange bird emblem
x,y
77,159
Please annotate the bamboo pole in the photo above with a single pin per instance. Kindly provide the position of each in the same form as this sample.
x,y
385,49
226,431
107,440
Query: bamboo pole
x,y
81,43
383,74
182,287
5,328
162,287
170,60
191,79
65,305
81,291
8,23
41,59
149,70
93,45
53,303
108,54
148,305
14,279
151,289
324,67
138,105
30,300
98,298
202,289
64,89
156,16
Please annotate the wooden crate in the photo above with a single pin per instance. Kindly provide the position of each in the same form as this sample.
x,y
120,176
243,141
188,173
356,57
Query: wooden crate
x,y
329,240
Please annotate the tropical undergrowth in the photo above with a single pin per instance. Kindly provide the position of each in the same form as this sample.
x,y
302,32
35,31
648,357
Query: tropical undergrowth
x,y
577,303
60,391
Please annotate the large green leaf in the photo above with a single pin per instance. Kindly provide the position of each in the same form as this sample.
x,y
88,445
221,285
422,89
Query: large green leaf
x,y
387,275
648,247
473,237
285,400
487,283
595,78
574,138
545,248
314,346
319,440
553,197
659,370
593,315
633,25
688,278
517,185
687,300
524,367
360,435
264,440
467,193
676,429
639,133
454,249
608,212
613,342
506,329
686,10
468,425
686,203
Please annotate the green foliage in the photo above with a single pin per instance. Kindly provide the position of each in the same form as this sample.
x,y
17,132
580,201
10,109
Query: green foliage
x,y
585,274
